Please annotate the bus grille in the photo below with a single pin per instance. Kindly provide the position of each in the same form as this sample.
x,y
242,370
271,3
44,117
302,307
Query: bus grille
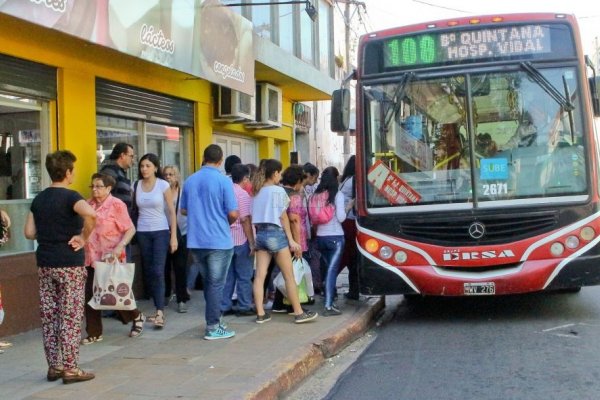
x,y
498,229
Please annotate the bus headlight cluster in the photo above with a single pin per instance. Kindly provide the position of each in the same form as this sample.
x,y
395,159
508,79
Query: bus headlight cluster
x,y
384,251
572,242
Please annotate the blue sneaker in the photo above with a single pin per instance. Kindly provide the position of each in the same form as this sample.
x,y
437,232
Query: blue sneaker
x,y
219,333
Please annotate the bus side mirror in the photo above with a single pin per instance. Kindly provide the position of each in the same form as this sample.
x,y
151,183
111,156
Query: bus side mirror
x,y
594,83
340,110
595,90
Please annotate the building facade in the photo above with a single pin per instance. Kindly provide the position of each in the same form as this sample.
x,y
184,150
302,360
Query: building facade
x,y
167,76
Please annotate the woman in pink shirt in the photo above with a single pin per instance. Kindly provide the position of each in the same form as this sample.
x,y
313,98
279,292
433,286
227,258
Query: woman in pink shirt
x,y
114,230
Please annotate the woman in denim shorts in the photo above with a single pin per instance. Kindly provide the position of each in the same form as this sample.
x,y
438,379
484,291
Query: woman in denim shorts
x,y
274,238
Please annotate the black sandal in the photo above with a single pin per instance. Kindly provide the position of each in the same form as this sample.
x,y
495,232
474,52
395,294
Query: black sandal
x,y
138,326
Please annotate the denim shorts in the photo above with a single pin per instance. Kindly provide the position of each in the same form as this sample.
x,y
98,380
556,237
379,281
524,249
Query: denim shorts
x,y
270,237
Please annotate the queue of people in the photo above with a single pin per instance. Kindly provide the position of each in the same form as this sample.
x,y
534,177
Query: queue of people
x,y
232,227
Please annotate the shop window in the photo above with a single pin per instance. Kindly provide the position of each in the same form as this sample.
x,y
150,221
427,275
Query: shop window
x,y
244,148
24,143
113,130
166,141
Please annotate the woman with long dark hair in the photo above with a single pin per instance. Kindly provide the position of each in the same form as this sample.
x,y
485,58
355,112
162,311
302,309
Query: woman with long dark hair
x,y
156,231
330,236
348,189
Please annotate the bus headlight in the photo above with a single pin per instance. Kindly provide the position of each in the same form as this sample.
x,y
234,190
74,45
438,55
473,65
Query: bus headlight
x,y
587,233
557,249
385,252
572,242
400,257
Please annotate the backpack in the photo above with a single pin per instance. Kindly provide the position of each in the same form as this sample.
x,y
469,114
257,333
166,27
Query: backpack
x,y
319,210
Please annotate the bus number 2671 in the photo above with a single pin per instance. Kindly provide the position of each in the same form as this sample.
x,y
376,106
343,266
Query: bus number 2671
x,y
492,189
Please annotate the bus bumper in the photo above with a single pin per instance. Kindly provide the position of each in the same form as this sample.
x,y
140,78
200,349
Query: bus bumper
x,y
427,280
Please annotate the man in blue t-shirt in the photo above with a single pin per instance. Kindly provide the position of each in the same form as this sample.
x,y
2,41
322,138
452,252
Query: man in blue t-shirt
x,y
209,202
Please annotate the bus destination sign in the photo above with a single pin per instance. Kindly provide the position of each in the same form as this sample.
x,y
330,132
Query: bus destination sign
x,y
458,46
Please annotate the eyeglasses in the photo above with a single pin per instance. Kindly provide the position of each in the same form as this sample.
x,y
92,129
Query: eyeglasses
x,y
95,187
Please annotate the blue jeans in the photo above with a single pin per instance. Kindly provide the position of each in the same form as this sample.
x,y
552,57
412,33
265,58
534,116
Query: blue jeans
x,y
213,265
331,248
154,247
240,273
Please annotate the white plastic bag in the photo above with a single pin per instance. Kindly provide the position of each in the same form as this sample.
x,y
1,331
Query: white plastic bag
x,y
301,271
112,288
299,265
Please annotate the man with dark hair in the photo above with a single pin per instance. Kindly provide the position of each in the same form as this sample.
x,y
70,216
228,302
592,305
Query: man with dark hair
x,y
119,161
241,268
209,202
311,175
230,162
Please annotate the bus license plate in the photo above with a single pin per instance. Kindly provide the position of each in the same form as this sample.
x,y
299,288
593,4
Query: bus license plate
x,y
480,288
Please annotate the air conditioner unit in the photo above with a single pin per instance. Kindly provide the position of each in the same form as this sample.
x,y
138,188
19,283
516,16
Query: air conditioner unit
x,y
268,107
234,106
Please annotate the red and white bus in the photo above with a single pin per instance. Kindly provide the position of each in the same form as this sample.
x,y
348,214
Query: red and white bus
x,y
477,157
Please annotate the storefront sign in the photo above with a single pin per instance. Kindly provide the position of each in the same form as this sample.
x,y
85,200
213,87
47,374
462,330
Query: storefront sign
x,y
201,37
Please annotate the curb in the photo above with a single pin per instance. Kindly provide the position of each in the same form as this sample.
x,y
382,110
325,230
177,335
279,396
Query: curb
x,y
305,361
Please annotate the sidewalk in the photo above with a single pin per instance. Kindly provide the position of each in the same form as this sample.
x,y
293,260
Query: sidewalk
x,y
261,362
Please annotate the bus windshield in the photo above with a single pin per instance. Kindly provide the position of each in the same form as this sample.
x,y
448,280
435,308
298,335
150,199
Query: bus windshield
x,y
475,139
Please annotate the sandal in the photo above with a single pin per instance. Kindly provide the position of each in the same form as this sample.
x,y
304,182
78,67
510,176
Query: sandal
x,y
54,374
76,375
91,339
159,320
138,326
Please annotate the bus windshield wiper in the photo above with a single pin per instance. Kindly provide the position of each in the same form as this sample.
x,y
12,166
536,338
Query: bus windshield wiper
x,y
534,73
397,99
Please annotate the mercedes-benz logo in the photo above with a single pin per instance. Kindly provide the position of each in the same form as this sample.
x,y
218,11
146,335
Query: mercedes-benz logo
x,y
476,230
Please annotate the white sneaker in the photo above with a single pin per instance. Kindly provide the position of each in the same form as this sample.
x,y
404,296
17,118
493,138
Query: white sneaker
x,y
182,307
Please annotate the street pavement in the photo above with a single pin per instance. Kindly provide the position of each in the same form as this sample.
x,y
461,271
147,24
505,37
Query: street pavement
x,y
262,361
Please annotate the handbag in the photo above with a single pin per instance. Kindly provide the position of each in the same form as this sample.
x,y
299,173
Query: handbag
x,y
135,211
112,287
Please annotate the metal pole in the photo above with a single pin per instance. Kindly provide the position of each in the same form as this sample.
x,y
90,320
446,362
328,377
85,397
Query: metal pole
x,y
347,39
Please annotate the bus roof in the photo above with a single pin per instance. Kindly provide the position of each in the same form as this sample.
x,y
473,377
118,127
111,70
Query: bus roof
x,y
469,21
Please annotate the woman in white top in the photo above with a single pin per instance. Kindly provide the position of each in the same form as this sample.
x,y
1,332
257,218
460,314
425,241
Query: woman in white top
x,y
156,231
273,237
330,236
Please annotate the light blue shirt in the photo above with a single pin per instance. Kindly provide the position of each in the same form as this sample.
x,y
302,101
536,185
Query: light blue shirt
x,y
208,198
